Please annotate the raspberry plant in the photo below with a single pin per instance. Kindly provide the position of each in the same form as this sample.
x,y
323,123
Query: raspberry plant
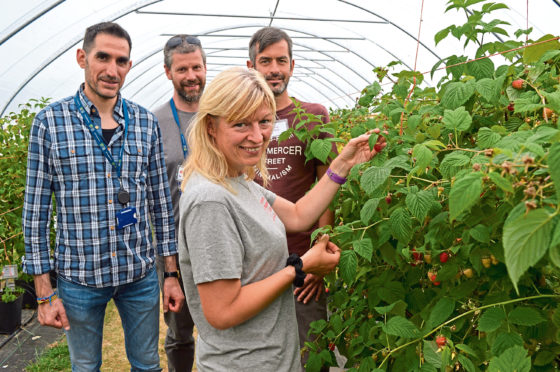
x,y
473,175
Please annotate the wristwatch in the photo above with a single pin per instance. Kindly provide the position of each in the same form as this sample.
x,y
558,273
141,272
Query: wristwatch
x,y
171,274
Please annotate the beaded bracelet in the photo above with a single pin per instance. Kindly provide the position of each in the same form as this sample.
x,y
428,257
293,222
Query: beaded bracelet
x,y
49,299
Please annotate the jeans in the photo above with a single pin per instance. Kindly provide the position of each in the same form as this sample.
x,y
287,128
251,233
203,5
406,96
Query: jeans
x,y
138,306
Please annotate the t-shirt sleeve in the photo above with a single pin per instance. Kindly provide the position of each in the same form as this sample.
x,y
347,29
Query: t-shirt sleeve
x,y
213,243
269,195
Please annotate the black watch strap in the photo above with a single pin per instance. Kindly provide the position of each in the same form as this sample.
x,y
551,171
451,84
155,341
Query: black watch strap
x,y
295,261
171,274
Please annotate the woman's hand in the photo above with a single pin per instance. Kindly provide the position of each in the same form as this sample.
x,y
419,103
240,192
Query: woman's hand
x,y
322,258
357,151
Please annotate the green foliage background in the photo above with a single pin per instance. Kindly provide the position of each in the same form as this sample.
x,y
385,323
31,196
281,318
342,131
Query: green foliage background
x,y
14,136
472,175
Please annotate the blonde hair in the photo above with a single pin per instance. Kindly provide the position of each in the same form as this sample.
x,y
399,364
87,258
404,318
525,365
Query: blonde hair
x,y
234,94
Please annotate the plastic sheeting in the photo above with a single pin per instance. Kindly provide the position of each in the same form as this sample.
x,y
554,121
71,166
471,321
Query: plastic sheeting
x,y
337,44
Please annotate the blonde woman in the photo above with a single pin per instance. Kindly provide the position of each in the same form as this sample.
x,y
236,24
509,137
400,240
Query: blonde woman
x,y
232,238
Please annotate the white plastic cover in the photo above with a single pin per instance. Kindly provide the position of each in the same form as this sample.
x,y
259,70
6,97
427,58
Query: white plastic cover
x,y
336,43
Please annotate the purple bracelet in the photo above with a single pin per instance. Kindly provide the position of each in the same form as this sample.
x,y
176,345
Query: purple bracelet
x,y
335,177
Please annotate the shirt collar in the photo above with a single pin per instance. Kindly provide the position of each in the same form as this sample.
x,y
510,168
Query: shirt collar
x,y
88,105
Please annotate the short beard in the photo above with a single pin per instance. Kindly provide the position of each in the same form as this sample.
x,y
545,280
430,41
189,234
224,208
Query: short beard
x,y
190,98
278,93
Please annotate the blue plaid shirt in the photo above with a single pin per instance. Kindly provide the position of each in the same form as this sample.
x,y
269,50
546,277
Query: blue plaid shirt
x,y
64,159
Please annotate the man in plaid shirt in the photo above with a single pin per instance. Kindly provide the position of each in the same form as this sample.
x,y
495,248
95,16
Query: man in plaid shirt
x,y
102,157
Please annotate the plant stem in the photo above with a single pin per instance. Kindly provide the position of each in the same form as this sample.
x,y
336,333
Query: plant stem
x,y
462,315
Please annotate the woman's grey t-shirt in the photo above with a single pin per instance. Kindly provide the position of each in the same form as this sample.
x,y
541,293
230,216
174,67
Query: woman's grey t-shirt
x,y
236,236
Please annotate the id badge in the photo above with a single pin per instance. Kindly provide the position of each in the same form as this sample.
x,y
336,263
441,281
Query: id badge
x,y
280,126
179,176
126,217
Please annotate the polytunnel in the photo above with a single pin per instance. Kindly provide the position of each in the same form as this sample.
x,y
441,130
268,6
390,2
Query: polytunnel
x,y
337,43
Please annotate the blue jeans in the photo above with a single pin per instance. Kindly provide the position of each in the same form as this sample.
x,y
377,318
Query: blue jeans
x,y
138,305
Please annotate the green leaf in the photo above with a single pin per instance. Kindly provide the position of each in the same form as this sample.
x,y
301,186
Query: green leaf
x,y
452,164
285,135
364,248
501,182
491,319
534,53
435,145
525,316
504,341
373,178
366,364
554,166
466,363
414,121
544,358
488,89
525,241
385,309
368,210
314,362
447,272
554,255
480,233
401,225
482,68
487,138
400,161
440,312
348,266
401,327
465,193
423,156
456,94
419,203
467,349
543,134
441,35
522,105
513,359
431,355
321,149
391,292
458,119
489,7
553,100
556,317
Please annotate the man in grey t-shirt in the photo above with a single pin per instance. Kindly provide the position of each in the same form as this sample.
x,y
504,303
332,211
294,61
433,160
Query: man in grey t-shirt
x,y
185,66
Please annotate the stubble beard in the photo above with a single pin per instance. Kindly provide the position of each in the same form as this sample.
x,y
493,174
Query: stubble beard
x,y
281,88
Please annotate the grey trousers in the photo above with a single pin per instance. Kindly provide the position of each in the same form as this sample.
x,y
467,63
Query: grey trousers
x,y
179,341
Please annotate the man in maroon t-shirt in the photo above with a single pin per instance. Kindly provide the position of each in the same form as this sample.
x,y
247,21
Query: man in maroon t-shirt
x,y
270,53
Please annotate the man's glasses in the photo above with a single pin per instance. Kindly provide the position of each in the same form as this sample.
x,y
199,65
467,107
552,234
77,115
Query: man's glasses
x,y
175,41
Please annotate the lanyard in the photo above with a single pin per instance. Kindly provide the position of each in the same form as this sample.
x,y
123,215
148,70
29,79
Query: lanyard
x,y
176,117
117,165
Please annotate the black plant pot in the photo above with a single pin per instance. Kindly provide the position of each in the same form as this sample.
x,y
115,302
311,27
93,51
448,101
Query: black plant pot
x,y
29,296
10,315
